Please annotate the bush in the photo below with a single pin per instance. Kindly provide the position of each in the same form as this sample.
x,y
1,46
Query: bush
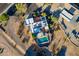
x,y
33,35
21,8
54,19
4,18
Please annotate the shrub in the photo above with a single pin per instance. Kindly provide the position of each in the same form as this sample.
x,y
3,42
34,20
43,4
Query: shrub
x,y
54,19
4,18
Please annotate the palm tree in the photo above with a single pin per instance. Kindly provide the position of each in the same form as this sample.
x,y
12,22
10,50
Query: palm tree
x,y
4,18
21,8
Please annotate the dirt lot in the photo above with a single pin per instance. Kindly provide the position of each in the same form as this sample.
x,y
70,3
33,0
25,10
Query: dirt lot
x,y
3,6
61,40
8,49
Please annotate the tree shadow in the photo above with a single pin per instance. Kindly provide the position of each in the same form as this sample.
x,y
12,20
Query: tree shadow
x,y
28,4
33,8
62,51
36,51
57,13
11,11
47,10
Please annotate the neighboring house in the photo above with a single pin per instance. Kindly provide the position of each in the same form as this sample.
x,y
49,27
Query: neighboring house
x,y
69,21
72,7
36,26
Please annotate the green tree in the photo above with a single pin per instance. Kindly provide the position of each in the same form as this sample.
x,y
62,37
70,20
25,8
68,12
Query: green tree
x,y
21,8
4,18
54,19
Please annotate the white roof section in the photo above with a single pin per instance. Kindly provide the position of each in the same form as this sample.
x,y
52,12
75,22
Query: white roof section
x,y
42,23
66,15
26,22
29,21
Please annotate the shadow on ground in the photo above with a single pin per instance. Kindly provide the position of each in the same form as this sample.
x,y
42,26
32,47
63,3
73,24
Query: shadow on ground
x,y
62,51
35,51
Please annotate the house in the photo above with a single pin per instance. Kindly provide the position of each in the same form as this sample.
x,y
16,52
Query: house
x,y
29,21
34,24
38,25
69,21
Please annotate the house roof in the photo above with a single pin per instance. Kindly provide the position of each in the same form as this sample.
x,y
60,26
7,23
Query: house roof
x,y
37,19
29,21
66,15
35,28
33,25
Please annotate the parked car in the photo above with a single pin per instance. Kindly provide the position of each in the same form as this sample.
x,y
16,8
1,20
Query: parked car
x,y
76,34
